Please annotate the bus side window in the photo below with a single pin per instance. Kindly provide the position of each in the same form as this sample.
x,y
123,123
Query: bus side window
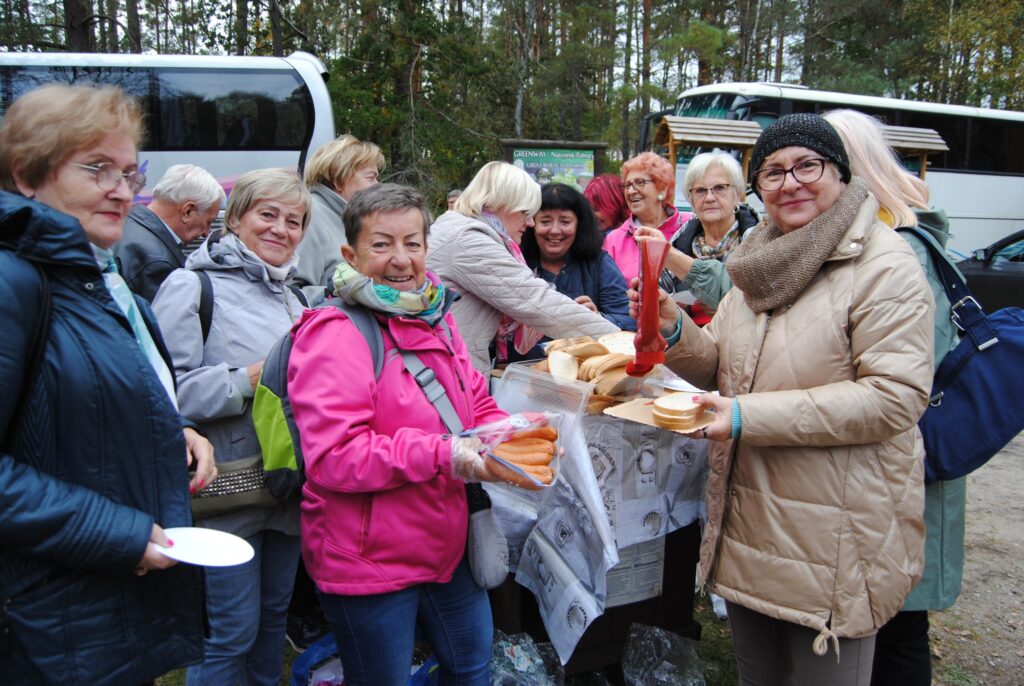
x,y
952,129
997,145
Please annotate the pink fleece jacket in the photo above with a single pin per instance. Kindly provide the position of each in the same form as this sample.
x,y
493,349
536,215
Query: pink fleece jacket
x,y
380,511
619,243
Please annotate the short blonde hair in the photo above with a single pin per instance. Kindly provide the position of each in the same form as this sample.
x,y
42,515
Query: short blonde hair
x,y
871,158
280,185
658,168
334,163
499,186
706,161
45,127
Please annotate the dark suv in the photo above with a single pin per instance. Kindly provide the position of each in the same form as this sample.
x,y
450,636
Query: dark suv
x,y
995,275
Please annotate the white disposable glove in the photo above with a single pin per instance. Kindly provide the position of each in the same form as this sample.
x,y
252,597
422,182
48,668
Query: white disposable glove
x,y
468,462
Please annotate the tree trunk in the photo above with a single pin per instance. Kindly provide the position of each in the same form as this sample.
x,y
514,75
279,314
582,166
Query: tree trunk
x,y
780,47
113,37
241,26
77,32
645,62
275,28
630,8
526,35
134,29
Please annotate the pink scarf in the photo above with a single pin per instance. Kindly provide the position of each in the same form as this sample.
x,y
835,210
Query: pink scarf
x,y
523,337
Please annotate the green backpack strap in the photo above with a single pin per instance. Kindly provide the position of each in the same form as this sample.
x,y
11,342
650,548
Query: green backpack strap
x,y
274,418
272,413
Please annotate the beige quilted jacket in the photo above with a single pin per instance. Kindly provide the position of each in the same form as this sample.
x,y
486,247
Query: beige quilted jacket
x,y
470,257
815,513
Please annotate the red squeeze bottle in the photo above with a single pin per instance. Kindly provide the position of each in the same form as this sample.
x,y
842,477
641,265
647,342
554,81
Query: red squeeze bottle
x,y
649,343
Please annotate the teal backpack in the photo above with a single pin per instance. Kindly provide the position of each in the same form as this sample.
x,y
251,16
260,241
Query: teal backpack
x,y
272,414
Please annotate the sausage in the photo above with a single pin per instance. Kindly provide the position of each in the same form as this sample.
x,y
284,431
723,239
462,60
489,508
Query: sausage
x,y
533,458
527,446
511,476
548,433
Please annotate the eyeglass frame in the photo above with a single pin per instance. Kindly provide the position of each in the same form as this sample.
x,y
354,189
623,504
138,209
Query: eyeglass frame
x,y
701,193
791,171
637,184
134,186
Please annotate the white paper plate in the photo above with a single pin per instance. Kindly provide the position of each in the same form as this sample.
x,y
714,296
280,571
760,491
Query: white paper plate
x,y
207,547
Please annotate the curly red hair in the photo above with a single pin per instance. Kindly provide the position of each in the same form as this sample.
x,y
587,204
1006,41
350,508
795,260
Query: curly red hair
x,y
656,167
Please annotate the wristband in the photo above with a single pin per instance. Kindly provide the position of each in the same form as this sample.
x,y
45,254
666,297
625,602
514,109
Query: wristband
x,y
678,333
737,422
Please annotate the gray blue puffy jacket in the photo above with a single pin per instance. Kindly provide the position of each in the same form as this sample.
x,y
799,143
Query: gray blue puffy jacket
x,y
97,459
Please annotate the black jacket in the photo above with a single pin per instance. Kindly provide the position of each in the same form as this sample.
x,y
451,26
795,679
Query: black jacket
x,y
684,241
98,457
147,253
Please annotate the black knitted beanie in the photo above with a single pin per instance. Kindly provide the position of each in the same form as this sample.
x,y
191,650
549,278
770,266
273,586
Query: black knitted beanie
x,y
805,130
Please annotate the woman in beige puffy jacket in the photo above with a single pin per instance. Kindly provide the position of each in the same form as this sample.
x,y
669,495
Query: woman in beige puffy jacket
x,y
822,354
475,250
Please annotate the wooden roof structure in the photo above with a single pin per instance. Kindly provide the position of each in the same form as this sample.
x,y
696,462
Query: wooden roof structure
x,y
729,134
910,141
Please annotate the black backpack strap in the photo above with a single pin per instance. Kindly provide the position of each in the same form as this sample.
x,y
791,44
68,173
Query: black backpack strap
x,y
37,343
368,326
205,302
966,312
300,295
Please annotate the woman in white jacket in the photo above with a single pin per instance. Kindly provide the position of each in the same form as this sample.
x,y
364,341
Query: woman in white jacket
x,y
475,250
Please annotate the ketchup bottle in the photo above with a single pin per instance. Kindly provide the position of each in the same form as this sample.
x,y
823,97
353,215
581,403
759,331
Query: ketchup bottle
x,y
649,343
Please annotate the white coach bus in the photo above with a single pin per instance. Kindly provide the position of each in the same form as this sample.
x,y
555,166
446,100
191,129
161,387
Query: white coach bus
x,y
226,114
979,182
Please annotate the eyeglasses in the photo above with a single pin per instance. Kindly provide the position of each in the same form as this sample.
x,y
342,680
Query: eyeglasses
x,y
108,176
700,193
638,184
774,178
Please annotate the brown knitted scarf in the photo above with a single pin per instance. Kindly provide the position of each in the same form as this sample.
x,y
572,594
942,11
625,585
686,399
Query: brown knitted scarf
x,y
772,268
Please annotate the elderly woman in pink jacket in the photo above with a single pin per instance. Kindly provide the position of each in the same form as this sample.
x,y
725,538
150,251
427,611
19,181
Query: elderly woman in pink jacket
x,y
384,511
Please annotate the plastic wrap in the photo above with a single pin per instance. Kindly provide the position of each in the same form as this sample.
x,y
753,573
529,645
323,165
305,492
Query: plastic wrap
x,y
517,661
495,434
655,657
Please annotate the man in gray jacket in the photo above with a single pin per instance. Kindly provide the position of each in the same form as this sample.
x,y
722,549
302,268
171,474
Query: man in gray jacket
x,y
185,204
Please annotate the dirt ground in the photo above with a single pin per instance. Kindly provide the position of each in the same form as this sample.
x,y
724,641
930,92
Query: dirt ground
x,y
980,640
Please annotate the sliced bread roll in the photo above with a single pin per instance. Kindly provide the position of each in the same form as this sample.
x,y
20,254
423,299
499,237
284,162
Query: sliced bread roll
x,y
562,343
586,349
613,381
562,365
619,342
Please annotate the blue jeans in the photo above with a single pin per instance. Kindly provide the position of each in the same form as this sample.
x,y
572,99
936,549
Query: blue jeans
x,y
247,606
375,633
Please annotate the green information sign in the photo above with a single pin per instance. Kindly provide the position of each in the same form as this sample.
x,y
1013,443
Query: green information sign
x,y
556,165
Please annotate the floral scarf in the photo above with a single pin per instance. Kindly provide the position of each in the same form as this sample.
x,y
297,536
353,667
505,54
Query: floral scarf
x,y
523,337
428,303
720,251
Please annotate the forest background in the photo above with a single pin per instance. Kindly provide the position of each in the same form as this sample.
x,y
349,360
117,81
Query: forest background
x,y
436,83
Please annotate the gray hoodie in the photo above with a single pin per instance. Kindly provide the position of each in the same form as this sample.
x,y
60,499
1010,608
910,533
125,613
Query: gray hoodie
x,y
252,309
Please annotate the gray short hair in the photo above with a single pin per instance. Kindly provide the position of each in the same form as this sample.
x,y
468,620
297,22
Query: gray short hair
x,y
184,182
701,164
383,198
280,185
